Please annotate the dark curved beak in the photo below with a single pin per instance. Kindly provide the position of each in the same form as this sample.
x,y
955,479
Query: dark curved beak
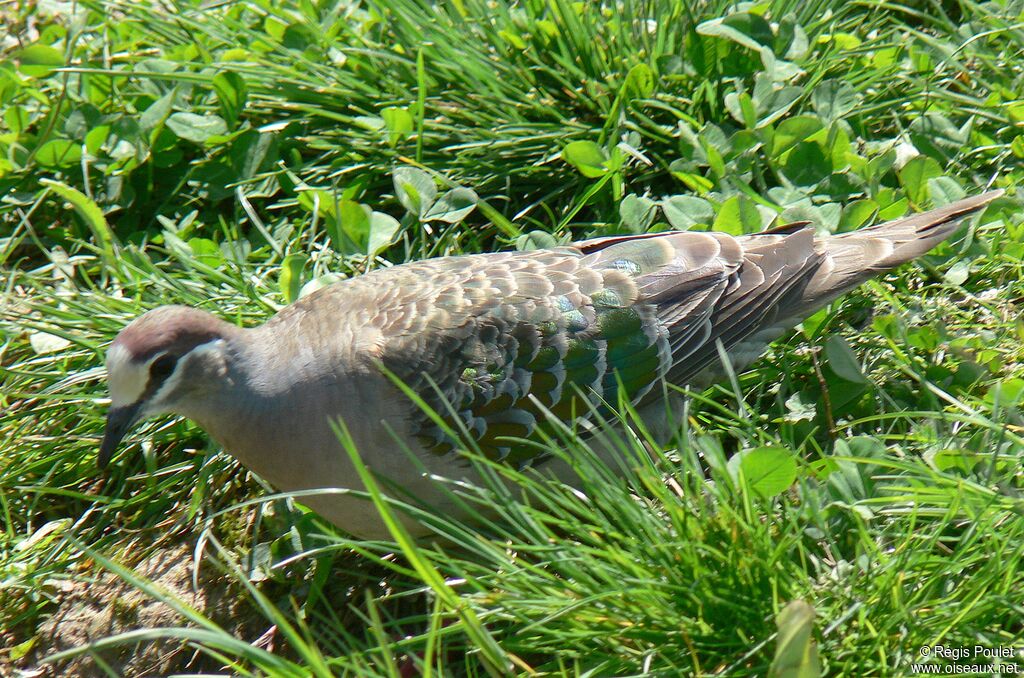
x,y
119,422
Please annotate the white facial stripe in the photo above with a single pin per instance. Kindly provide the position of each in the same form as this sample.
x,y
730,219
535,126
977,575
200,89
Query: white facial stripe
x,y
127,380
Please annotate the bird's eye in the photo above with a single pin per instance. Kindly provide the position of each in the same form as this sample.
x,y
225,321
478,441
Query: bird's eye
x,y
162,367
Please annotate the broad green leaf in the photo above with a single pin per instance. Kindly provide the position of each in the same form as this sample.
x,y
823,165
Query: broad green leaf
x,y
369,122
398,122
889,205
39,61
96,138
320,200
383,228
415,189
772,101
683,212
833,99
587,157
953,460
157,112
790,38
59,153
16,118
196,128
792,131
801,407
90,213
1017,146
915,175
958,273
453,206
796,651
290,279
206,252
714,157
737,216
512,39
837,144
358,230
857,214
548,29
353,231
1016,113
232,93
671,64
807,164
741,107
744,140
640,81
885,57
127,140
927,337
843,41
868,447
944,190
935,135
814,322
823,217
637,213
768,471
238,250
711,135
779,70
880,164
77,124
843,394
749,30
1006,392
253,151
319,283
299,36
535,240
842,360
690,145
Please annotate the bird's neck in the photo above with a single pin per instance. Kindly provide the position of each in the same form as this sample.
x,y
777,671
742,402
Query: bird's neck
x,y
280,396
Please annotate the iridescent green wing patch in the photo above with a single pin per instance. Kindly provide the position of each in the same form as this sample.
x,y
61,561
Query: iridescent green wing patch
x,y
497,341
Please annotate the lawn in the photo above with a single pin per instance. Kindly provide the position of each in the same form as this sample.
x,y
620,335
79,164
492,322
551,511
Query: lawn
x,y
852,501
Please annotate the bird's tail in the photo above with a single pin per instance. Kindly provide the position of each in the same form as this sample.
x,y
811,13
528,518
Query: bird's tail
x,y
851,258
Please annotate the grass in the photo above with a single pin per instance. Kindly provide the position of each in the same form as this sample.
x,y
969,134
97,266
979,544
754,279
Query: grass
x,y
230,156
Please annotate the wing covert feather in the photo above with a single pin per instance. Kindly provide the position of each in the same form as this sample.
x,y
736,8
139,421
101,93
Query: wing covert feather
x,y
494,340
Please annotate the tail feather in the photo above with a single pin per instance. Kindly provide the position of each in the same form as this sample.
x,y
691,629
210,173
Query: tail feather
x,y
851,258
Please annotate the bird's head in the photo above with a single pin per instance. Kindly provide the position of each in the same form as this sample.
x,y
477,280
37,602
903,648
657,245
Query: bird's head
x,y
164,361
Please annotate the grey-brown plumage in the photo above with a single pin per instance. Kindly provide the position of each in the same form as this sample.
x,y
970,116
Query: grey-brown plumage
x,y
494,343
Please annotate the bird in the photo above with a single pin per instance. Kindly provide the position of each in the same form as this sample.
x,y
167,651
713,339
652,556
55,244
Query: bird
x,y
495,345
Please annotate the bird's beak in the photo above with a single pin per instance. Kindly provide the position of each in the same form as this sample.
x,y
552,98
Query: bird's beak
x,y
119,421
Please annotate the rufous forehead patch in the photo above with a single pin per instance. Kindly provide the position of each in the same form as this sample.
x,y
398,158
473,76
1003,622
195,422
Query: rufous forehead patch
x,y
168,329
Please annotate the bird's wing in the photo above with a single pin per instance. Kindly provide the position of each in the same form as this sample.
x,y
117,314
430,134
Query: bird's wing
x,y
491,341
